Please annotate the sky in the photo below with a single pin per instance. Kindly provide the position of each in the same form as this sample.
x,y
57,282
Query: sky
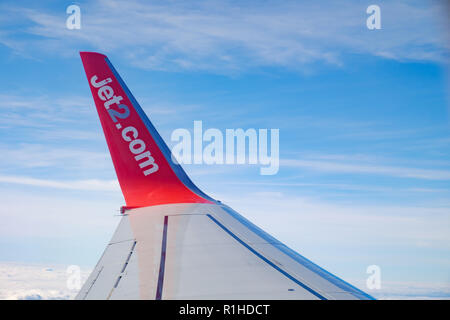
x,y
363,117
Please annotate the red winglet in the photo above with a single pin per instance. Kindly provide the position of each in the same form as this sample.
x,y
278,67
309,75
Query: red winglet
x,y
142,160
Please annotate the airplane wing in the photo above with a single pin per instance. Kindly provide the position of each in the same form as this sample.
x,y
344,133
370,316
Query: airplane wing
x,y
174,241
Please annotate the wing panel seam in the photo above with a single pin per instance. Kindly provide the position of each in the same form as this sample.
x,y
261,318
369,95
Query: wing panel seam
x,y
266,260
162,263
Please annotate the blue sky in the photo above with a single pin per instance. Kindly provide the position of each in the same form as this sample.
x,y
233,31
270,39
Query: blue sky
x,y
363,118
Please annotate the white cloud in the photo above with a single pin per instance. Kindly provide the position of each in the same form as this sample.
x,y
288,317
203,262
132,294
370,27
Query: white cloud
x,y
24,281
20,281
409,290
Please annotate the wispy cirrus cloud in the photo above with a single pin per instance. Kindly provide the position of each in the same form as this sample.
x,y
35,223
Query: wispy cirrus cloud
x,y
41,111
360,167
84,185
65,116
222,36
29,155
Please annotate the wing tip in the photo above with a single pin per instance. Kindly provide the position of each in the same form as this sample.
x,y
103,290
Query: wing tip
x,y
171,185
84,54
